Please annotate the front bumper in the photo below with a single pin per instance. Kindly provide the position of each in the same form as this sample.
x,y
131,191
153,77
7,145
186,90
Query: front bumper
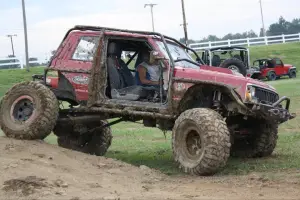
x,y
274,112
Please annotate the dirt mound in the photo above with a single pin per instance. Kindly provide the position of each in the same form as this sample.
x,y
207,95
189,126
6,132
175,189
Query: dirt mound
x,y
37,170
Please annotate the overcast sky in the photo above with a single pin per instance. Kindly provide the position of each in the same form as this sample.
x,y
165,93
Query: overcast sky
x,y
49,20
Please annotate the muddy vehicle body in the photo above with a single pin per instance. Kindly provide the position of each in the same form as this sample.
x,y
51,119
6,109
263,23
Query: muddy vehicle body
x,y
274,68
212,112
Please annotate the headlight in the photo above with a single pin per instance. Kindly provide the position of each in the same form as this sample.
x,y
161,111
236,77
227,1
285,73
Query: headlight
x,y
250,94
252,91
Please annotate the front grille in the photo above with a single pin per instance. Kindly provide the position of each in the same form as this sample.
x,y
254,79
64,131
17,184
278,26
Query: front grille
x,y
266,96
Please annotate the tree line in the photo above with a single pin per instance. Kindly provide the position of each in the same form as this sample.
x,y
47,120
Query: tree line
x,y
281,27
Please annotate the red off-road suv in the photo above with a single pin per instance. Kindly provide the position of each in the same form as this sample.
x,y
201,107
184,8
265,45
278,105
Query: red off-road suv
x,y
273,68
212,112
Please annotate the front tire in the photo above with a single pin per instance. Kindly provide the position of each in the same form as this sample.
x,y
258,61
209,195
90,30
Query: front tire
x,y
200,141
292,74
28,111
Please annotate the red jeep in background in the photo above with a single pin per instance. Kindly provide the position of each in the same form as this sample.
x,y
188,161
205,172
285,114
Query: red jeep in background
x,y
274,68
212,112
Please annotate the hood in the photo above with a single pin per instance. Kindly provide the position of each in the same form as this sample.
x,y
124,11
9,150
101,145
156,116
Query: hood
x,y
220,75
288,65
217,69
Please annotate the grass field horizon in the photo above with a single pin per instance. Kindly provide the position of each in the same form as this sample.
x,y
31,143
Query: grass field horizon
x,y
138,145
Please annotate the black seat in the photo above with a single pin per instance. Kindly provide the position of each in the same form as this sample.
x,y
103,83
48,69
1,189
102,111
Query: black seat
x,y
216,60
122,82
237,57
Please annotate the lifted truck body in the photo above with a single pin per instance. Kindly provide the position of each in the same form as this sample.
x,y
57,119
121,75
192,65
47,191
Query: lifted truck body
x,y
77,74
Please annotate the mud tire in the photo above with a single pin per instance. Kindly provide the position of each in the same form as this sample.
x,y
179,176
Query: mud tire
x,y
96,142
235,62
214,136
293,74
45,112
262,145
272,76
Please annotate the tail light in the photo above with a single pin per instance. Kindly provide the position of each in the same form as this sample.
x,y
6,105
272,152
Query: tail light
x,y
52,79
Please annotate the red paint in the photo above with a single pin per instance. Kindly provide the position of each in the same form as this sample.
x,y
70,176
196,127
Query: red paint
x,y
278,67
204,73
280,70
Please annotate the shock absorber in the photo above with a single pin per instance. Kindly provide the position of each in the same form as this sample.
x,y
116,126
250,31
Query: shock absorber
x,y
217,99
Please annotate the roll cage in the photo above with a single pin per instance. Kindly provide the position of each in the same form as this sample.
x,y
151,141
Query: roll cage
x,y
163,38
207,54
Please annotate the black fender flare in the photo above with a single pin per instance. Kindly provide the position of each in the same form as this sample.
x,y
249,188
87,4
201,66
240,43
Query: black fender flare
x,y
65,90
292,69
228,90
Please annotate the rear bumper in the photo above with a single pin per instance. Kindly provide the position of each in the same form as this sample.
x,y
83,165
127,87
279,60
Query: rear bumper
x,y
275,112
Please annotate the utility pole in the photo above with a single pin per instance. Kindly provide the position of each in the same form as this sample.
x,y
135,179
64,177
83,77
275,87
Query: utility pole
x,y
12,43
262,19
184,23
25,34
151,5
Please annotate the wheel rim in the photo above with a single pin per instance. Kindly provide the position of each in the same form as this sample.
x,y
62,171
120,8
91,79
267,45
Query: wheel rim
x,y
234,68
193,143
22,109
273,77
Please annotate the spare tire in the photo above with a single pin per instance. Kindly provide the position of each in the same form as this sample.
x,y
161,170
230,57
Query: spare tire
x,y
235,64
28,111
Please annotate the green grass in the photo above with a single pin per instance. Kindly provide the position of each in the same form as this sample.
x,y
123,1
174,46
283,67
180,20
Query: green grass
x,y
137,145
13,76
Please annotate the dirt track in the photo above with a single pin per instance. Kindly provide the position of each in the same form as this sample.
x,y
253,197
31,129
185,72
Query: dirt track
x,y
36,170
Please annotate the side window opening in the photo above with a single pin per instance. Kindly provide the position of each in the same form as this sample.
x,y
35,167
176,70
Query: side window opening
x,y
86,48
123,57
279,62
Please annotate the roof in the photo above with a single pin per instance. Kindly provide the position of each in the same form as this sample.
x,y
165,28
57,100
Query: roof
x,y
228,48
131,32
116,31
264,59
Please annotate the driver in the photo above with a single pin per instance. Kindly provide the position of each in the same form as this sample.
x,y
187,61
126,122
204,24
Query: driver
x,y
147,73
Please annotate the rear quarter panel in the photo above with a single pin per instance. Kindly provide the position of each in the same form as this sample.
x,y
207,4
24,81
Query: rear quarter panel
x,y
76,71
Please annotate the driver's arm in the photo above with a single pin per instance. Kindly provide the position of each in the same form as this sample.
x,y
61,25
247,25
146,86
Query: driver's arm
x,y
142,76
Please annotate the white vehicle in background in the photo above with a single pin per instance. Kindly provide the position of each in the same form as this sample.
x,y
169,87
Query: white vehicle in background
x,y
34,62
10,63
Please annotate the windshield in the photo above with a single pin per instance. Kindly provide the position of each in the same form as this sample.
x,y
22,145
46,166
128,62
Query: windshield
x,y
177,53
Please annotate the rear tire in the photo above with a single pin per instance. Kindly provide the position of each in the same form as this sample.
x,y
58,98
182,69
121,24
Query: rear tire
x,y
200,141
272,76
94,141
236,63
28,111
